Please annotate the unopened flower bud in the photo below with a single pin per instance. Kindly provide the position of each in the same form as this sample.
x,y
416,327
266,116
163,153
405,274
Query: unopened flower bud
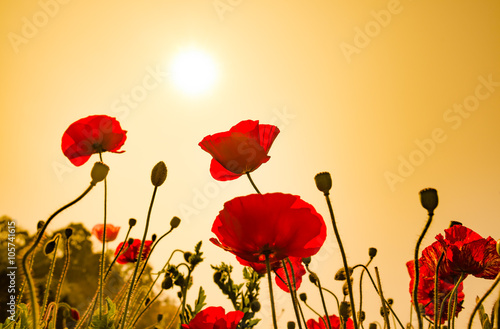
x,y
255,306
361,316
175,222
130,241
159,317
373,325
390,301
167,283
372,252
40,224
153,237
217,277
147,301
75,315
340,275
68,232
50,246
179,294
323,182
313,278
429,199
132,222
179,281
99,172
345,310
306,261
187,255
159,174
303,297
290,325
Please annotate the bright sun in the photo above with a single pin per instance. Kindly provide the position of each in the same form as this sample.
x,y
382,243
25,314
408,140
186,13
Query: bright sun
x,y
193,71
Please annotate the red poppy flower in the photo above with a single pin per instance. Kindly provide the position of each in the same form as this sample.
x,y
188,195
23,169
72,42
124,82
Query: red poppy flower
x,y
279,225
467,252
93,134
298,272
240,150
111,232
130,253
426,291
334,322
215,318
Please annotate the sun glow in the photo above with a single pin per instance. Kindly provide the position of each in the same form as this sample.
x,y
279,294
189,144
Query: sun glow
x,y
193,71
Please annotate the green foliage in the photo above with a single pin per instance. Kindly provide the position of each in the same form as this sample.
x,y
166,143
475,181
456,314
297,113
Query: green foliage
x,y
107,319
191,312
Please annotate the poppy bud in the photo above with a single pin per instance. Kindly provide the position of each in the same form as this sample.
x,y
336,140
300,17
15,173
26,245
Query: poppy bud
x,y
50,246
429,199
323,182
40,224
390,301
340,275
159,317
75,315
303,297
217,277
306,261
255,306
132,222
372,252
382,311
345,310
159,174
175,222
167,283
68,232
147,301
372,326
187,255
179,281
179,294
313,279
130,241
345,288
361,316
99,172
290,325
153,237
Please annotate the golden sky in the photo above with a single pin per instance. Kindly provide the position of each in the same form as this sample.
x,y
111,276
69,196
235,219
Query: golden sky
x,y
389,96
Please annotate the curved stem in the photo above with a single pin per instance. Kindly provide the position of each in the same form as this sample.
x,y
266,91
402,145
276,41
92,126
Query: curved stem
x,y
151,250
271,296
452,307
29,278
361,289
480,302
118,253
415,287
103,252
292,290
344,260
139,258
251,182
382,299
437,321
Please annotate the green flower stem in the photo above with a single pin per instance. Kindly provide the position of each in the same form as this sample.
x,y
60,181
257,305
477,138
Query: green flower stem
x,y
184,290
437,321
295,292
103,252
334,296
361,289
382,299
251,182
137,317
452,307
29,278
326,323
318,282
151,250
50,276
480,302
61,280
415,286
270,282
344,260
125,242
292,290
139,258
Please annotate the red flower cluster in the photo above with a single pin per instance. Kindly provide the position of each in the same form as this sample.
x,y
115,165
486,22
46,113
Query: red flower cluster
x,y
215,318
275,224
240,150
111,232
464,252
334,322
93,134
130,252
